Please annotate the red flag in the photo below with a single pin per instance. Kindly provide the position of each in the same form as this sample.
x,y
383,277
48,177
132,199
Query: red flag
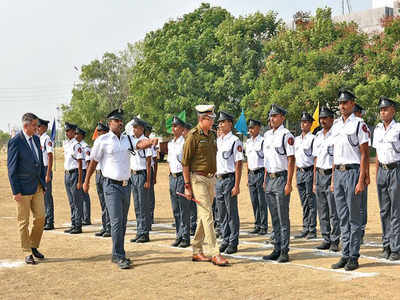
x,y
95,134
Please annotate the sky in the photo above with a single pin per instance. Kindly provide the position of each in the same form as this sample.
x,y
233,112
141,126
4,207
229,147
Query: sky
x,y
43,40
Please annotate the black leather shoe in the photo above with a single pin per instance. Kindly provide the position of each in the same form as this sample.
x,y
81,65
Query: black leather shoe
x,y
394,256
341,263
100,233
106,234
334,247
176,243
184,244
143,239
352,264
173,225
30,260
68,230
223,247
385,253
273,256
116,260
301,235
76,231
324,246
217,234
263,231
124,264
48,227
284,257
255,230
231,249
311,235
192,232
86,223
37,254
135,239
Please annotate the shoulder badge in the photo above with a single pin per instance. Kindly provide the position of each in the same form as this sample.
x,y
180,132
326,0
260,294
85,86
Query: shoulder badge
x,y
290,141
239,148
365,128
80,150
50,144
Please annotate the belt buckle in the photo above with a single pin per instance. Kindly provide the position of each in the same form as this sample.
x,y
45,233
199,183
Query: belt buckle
x,y
134,172
272,175
385,166
320,171
342,168
124,182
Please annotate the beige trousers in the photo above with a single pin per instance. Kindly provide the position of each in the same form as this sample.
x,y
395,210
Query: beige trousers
x,y
27,203
203,191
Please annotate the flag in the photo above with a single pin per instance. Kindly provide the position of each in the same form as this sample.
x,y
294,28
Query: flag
x,y
315,124
95,134
241,124
53,131
168,122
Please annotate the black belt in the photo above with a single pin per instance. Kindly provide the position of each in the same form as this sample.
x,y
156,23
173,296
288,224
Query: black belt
x,y
347,167
226,175
306,169
138,172
256,171
390,166
176,174
121,183
71,171
277,174
324,171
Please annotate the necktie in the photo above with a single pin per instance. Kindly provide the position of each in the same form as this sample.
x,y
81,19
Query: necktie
x,y
33,149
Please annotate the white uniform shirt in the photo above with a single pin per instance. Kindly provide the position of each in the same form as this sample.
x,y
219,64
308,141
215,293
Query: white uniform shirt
x,y
175,153
303,150
47,147
113,155
342,134
322,149
230,150
278,145
86,154
72,153
387,142
153,155
98,166
254,152
138,159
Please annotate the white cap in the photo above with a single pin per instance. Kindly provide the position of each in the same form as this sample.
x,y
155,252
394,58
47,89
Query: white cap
x,y
206,110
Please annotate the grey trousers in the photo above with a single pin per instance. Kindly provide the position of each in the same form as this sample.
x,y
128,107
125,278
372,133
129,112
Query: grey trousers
x,y
388,185
152,196
307,198
74,198
278,204
117,200
48,201
364,210
180,207
105,217
348,206
257,197
327,213
85,201
141,200
193,215
228,210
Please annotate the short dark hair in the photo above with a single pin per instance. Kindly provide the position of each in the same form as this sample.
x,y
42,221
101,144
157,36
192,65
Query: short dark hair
x,y
29,117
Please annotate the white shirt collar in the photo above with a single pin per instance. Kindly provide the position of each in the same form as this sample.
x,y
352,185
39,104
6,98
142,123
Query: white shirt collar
x,y
226,136
349,119
27,137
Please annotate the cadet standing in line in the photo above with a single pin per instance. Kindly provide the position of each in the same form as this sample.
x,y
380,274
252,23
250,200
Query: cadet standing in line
x,y
193,207
199,166
180,205
279,164
141,180
327,213
154,168
229,173
359,112
79,136
255,171
303,145
47,150
105,216
350,159
112,151
73,157
387,145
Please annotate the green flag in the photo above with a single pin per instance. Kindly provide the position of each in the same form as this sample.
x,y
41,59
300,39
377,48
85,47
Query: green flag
x,y
168,122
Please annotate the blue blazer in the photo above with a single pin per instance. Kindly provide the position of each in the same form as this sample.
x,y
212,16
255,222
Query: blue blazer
x,y
24,172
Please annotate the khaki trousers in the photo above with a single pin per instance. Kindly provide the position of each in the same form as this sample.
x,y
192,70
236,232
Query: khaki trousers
x,y
27,203
203,191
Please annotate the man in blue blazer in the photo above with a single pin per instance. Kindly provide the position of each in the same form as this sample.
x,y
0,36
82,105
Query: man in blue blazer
x,y
26,173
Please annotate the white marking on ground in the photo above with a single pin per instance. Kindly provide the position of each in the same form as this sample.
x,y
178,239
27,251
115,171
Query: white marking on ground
x,y
9,218
11,264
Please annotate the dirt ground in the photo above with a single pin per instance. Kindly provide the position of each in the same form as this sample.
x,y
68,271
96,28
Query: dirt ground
x,y
78,266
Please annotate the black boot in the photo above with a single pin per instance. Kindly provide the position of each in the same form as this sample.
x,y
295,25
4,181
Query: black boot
x,y
324,246
100,233
301,235
334,247
255,230
176,242
352,264
385,253
143,239
273,256
341,263
394,256
284,257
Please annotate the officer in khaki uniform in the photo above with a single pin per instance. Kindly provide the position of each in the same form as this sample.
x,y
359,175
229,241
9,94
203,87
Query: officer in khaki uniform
x,y
199,166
